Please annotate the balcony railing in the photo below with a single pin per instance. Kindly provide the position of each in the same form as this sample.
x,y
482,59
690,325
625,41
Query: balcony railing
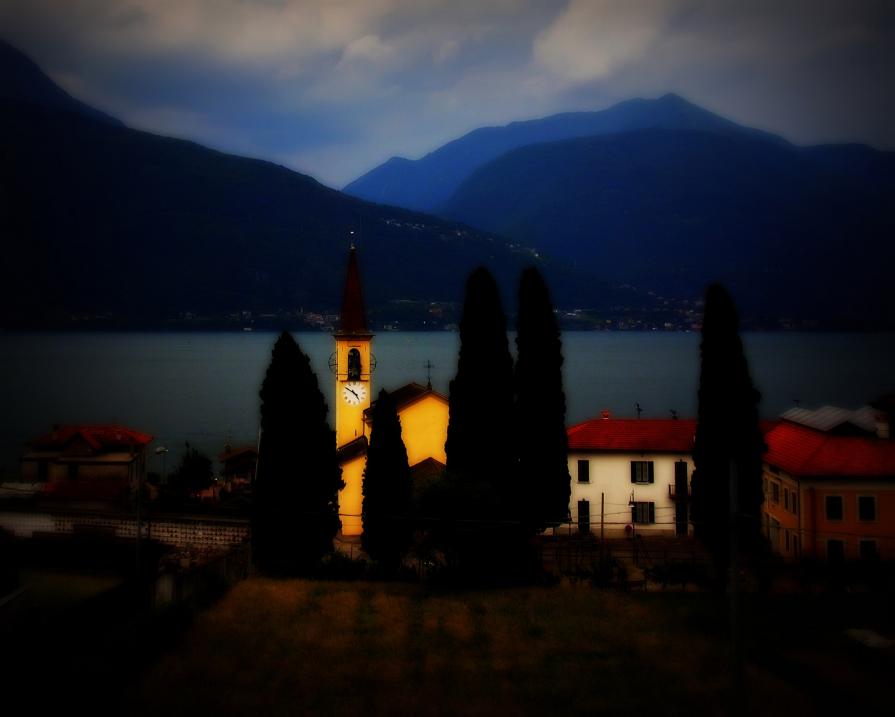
x,y
678,495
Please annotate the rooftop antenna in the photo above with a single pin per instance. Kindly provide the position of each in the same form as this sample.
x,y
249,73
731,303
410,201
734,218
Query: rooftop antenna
x,y
638,408
429,375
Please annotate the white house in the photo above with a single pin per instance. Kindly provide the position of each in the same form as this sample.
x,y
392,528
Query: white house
x,y
631,475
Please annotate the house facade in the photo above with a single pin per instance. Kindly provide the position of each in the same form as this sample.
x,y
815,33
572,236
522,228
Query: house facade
x,y
631,476
829,485
238,467
86,463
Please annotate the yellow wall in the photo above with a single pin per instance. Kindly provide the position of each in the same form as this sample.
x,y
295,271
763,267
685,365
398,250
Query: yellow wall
x,y
424,429
350,497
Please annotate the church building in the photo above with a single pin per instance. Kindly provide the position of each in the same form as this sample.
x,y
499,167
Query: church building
x,y
423,412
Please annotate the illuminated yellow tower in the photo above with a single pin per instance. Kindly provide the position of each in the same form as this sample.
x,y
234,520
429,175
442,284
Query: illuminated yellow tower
x,y
352,360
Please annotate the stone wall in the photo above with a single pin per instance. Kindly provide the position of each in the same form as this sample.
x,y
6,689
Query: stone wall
x,y
179,531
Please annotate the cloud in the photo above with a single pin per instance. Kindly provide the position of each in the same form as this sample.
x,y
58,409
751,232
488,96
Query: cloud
x,y
592,38
335,86
261,31
368,48
446,51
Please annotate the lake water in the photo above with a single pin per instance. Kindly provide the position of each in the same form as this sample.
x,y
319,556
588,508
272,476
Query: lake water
x,y
203,387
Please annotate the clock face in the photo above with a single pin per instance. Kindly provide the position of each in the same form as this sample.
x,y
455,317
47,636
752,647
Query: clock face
x,y
354,393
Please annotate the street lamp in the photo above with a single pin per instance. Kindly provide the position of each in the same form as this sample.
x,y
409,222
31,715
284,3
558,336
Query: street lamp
x,y
163,452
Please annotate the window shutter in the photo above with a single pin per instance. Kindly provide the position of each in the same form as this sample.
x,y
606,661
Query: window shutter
x,y
650,471
634,513
633,471
652,507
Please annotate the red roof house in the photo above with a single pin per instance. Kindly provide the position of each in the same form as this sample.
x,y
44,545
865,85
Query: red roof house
x,y
638,470
87,462
829,494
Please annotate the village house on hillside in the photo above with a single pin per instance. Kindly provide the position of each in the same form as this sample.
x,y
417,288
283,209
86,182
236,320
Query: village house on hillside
x,y
85,463
238,466
829,484
638,470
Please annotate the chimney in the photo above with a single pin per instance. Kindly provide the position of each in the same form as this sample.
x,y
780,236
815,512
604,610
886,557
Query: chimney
x,y
605,414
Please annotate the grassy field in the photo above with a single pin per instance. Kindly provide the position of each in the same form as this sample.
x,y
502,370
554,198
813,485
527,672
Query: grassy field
x,y
51,591
274,647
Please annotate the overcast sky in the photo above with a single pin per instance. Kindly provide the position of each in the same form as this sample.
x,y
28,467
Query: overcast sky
x,y
334,87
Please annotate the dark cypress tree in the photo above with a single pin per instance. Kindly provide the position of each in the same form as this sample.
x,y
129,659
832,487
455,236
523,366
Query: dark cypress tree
x,y
479,526
387,488
192,475
727,433
544,481
479,438
296,514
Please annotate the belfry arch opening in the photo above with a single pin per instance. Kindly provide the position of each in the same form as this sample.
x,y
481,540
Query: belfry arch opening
x,y
354,367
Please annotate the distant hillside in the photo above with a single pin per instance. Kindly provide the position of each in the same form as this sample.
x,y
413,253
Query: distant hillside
x,y
97,218
426,184
791,230
22,80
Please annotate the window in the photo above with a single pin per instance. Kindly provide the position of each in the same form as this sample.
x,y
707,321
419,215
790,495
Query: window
x,y
641,471
43,471
795,502
795,545
866,507
786,498
354,365
867,550
775,492
834,507
774,533
643,512
835,550
73,471
764,486
786,537
584,471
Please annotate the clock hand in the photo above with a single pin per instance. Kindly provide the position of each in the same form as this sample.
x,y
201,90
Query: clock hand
x,y
355,395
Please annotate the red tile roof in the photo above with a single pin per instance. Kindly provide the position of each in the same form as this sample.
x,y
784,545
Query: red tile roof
x,y
802,451
660,435
98,437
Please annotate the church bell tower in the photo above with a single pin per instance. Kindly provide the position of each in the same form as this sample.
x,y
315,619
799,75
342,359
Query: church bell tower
x,y
352,360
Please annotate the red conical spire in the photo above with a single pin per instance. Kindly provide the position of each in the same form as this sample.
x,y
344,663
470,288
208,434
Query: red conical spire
x,y
354,317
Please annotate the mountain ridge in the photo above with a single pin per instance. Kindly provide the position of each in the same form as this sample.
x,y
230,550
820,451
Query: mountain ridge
x,y
426,184
671,209
21,79
102,219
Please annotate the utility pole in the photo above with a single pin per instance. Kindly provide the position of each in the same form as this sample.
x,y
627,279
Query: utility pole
x,y
602,542
736,653
139,477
